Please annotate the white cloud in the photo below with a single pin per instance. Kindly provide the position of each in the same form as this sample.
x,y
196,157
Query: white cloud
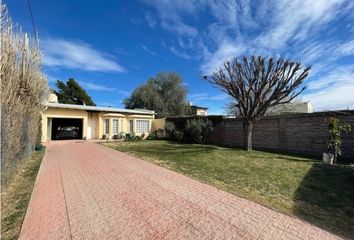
x,y
338,76
97,87
77,55
171,13
261,27
198,96
325,51
225,52
151,20
180,53
346,48
333,91
315,32
221,96
294,19
146,49
180,28
51,79
205,96
336,97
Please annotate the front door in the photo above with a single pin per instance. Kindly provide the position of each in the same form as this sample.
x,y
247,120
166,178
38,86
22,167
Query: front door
x,y
91,127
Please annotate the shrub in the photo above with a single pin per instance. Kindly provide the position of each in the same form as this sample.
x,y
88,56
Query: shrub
x,y
335,136
178,136
170,128
152,136
131,137
115,137
121,135
198,130
128,137
104,137
160,133
142,135
38,147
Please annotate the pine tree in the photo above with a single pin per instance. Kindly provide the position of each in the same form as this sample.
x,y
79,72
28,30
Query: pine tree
x,y
72,93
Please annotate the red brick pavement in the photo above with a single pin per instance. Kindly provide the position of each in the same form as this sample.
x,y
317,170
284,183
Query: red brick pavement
x,y
88,191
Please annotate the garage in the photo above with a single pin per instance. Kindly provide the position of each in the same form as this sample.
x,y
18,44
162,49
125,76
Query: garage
x,y
66,128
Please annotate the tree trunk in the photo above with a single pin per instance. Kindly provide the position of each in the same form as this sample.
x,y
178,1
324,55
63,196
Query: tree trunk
x,y
247,134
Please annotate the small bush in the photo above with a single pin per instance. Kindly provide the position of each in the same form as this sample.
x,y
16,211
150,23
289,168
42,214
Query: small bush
x,y
152,136
131,137
128,137
38,147
104,137
170,128
198,130
121,135
160,133
178,136
142,135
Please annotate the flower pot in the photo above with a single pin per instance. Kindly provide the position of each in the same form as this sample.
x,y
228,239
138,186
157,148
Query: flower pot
x,y
328,158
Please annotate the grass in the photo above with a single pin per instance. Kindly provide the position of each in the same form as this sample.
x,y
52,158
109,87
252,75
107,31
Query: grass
x,y
15,196
295,185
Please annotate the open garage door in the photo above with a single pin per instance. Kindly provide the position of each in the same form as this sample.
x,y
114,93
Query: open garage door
x,y
66,128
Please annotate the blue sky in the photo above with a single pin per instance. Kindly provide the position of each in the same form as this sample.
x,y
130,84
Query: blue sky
x,y
114,47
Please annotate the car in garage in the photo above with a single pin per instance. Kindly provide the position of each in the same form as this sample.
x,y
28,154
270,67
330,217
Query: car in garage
x,y
66,128
67,132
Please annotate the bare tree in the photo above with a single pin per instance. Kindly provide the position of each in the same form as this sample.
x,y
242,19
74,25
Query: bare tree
x,y
258,84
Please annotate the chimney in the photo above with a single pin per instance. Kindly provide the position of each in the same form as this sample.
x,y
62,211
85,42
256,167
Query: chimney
x,y
52,98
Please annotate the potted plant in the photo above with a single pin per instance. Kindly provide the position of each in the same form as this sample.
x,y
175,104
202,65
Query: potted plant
x,y
335,140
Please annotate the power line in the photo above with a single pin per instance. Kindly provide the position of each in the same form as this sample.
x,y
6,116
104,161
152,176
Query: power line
x,y
33,26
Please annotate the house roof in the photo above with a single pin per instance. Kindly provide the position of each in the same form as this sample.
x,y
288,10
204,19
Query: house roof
x,y
198,107
99,109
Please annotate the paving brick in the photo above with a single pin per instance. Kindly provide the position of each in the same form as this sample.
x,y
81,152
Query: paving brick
x,y
87,191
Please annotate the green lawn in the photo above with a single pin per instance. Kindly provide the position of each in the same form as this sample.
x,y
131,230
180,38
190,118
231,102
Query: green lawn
x,y
298,186
16,195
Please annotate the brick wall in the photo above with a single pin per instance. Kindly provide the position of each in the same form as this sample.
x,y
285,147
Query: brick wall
x,y
298,133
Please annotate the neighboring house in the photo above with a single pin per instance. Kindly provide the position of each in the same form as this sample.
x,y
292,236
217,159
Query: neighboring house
x,y
304,107
293,107
68,121
199,111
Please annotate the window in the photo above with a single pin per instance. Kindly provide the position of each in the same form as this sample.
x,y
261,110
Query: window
x,y
115,126
131,126
142,125
106,126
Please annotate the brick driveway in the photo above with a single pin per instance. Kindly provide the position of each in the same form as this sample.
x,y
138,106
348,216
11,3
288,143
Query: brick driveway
x,y
88,191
